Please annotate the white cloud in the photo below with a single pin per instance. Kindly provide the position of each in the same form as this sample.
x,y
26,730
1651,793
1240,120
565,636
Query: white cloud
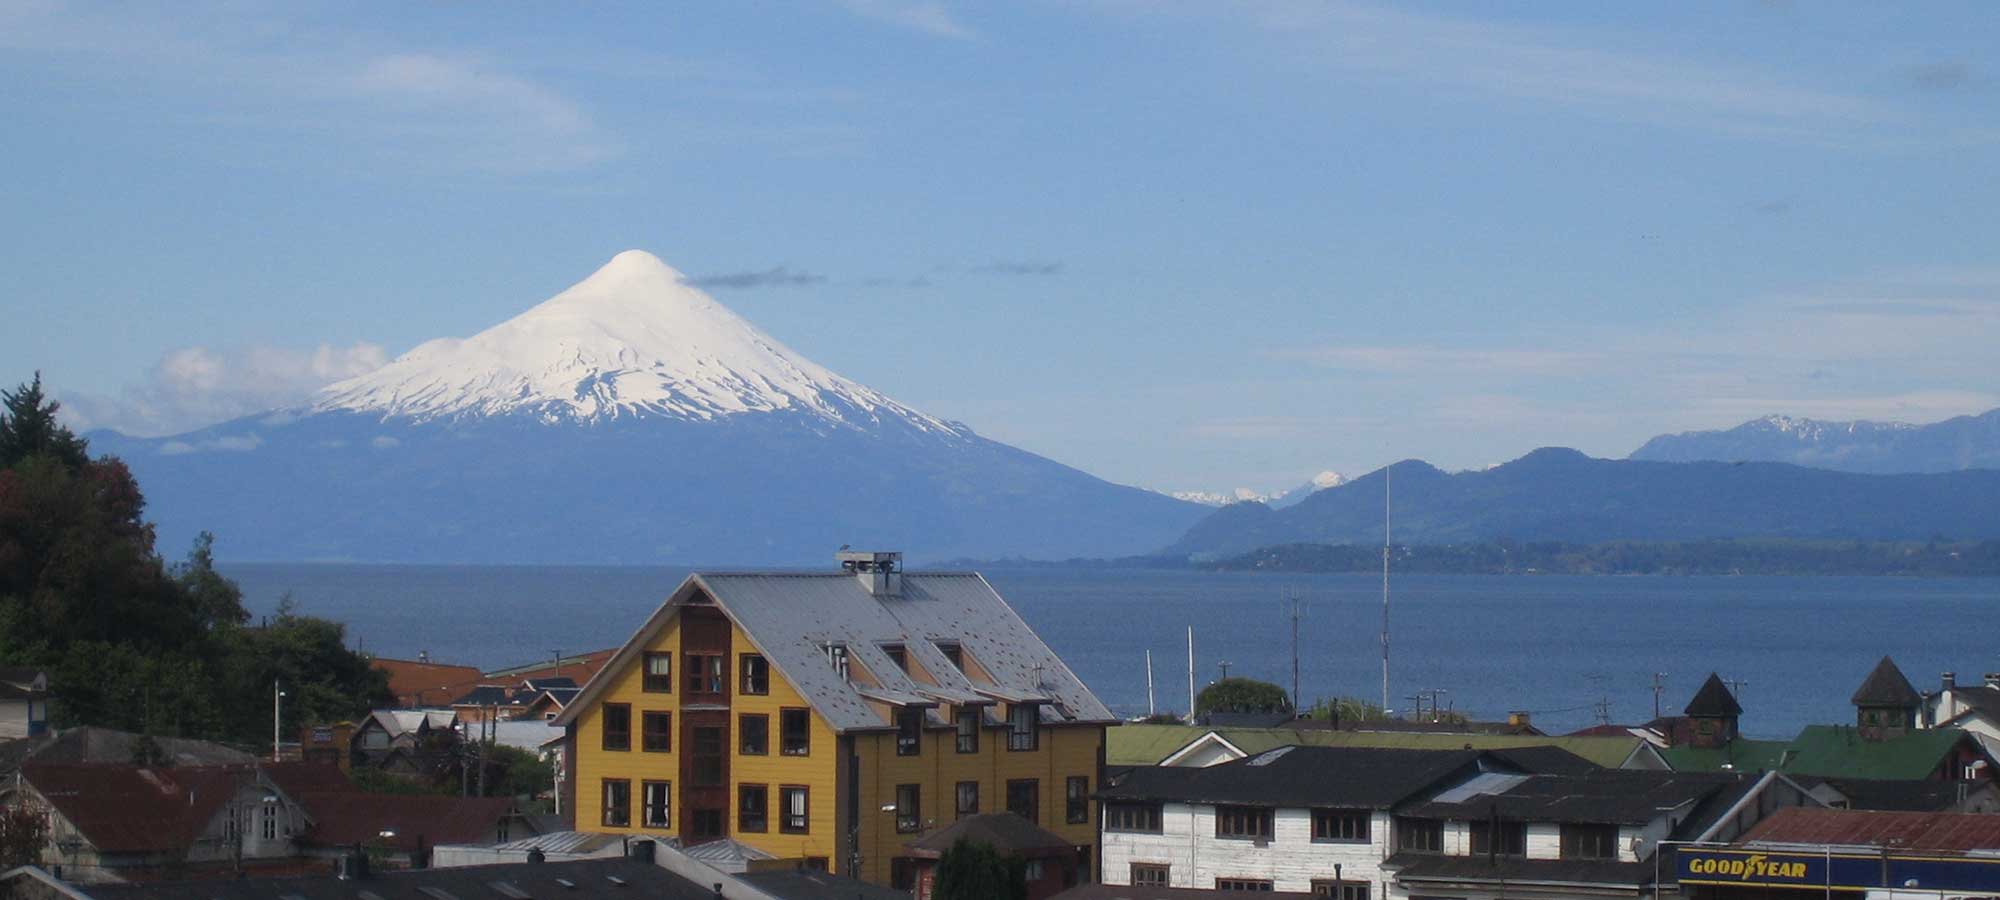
x,y
930,18
384,442
1439,360
198,386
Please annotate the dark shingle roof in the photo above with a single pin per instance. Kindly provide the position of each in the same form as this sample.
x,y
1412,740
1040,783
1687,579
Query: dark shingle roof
x,y
1610,797
1713,700
1005,832
1906,796
1299,776
1142,892
1886,686
127,809
793,884
588,879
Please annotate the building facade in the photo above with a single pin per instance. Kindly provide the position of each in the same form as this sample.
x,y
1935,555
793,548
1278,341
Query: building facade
x,y
831,718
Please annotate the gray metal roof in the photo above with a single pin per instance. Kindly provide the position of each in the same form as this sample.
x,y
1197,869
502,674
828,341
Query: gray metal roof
x,y
792,617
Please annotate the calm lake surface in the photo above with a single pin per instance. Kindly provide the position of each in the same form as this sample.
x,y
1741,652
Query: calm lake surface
x,y
1554,645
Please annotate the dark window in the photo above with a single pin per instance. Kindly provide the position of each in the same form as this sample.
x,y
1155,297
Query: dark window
x,y
1242,884
909,731
751,808
657,732
1511,839
1420,835
1340,825
1139,817
659,797
909,808
794,817
1340,890
659,670
1242,822
707,823
1590,842
1024,798
903,873
952,652
968,719
1150,874
897,655
795,732
968,798
756,675
617,802
704,673
816,864
1076,799
707,751
1022,719
753,734
617,726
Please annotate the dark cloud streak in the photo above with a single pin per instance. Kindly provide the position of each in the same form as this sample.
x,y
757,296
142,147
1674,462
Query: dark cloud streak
x,y
1018,267
777,276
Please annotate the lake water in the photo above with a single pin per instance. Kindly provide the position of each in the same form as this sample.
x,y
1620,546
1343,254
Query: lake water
x,y
1554,645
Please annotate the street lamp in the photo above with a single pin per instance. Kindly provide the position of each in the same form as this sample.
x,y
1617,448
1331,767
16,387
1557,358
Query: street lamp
x,y
277,701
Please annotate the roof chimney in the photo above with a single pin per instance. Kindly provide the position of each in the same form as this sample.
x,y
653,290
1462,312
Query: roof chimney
x,y
640,850
880,572
1517,718
1949,680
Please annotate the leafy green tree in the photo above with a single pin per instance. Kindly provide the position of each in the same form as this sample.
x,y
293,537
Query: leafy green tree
x,y
975,871
1245,695
513,772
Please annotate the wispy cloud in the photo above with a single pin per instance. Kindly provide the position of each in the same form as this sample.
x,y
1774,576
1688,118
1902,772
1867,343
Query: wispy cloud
x,y
777,276
928,17
251,67
1439,360
1251,428
197,386
1018,267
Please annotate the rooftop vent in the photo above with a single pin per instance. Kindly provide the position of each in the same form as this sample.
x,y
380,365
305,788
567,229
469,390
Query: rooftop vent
x,y
881,572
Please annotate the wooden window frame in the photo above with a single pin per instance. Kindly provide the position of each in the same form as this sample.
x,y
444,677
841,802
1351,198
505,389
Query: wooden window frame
x,y
747,685
1479,835
1076,803
1575,838
1243,823
958,793
1336,835
606,807
616,740
654,683
1343,889
743,734
966,740
1142,874
1133,818
707,672
911,820
909,731
785,792
646,806
1034,794
647,734
762,823
1431,828
785,735
1028,741
1245,885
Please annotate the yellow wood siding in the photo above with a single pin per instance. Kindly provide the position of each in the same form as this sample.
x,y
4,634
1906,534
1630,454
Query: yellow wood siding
x,y
594,763
815,771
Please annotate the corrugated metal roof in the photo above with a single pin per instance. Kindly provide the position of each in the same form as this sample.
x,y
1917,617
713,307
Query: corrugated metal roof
x,y
1146,745
1904,831
792,617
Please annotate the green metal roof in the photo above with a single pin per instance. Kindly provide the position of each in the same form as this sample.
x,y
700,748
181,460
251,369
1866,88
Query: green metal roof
x,y
1831,751
1147,745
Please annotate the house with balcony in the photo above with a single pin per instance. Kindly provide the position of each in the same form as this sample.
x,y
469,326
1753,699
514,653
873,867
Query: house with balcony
x,y
831,718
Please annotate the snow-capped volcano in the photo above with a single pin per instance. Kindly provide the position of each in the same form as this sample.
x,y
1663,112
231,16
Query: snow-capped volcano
x,y
632,340
628,419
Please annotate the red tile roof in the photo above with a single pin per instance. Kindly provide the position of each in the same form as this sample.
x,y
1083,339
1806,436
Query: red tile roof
x,y
579,668
417,683
358,818
1914,831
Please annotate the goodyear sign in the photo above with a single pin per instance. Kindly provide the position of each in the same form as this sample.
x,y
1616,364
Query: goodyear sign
x,y
1958,875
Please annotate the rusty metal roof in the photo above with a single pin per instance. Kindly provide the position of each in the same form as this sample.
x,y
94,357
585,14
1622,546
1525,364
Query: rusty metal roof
x,y
1911,831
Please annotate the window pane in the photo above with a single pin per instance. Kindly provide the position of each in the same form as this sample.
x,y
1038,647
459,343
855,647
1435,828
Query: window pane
x,y
658,798
968,719
796,725
617,726
753,734
750,808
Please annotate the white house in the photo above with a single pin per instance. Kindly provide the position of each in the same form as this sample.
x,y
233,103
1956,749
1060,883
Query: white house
x,y
1973,707
1390,824
24,703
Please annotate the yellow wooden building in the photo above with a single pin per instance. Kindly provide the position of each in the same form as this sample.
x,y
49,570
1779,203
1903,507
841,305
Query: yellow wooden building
x,y
831,718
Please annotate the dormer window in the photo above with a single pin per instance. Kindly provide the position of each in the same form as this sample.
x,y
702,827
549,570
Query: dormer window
x,y
837,655
953,652
897,655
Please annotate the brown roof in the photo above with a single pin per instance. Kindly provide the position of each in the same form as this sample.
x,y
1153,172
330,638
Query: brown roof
x,y
1129,892
299,779
1008,833
1912,831
1886,686
359,818
578,668
1713,700
415,683
127,809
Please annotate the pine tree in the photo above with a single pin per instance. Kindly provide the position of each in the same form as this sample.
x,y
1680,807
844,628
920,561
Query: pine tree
x,y
970,871
28,427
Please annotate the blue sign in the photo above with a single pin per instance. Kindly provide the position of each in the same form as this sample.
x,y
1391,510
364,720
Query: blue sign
x,y
1848,871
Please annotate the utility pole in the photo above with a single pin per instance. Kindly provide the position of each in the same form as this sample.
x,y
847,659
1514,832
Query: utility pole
x,y
1659,687
1224,666
277,706
1386,471
1149,684
1190,712
1297,701
557,672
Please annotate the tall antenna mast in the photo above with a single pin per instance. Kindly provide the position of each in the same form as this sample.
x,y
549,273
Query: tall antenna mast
x,y
1385,586
1190,713
1296,699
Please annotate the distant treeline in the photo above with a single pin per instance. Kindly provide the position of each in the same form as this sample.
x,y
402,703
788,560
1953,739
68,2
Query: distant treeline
x,y
1711,557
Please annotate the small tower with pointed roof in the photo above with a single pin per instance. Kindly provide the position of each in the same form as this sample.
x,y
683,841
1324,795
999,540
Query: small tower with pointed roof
x,y
1713,713
1885,706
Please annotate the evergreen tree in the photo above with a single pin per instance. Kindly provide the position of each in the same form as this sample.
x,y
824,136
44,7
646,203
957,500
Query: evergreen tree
x,y
970,871
28,427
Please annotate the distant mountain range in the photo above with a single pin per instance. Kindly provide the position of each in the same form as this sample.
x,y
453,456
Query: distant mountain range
x,y
1280,500
1558,494
1966,442
629,419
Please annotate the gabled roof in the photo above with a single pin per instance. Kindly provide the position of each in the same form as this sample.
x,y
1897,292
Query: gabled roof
x,y
1713,700
415,682
1006,832
791,617
1978,700
1886,686
1303,776
417,819
127,809
1907,796
1146,745
1832,751
1911,831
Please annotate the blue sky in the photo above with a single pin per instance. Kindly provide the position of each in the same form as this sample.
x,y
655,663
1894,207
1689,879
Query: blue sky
x,y
1182,245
